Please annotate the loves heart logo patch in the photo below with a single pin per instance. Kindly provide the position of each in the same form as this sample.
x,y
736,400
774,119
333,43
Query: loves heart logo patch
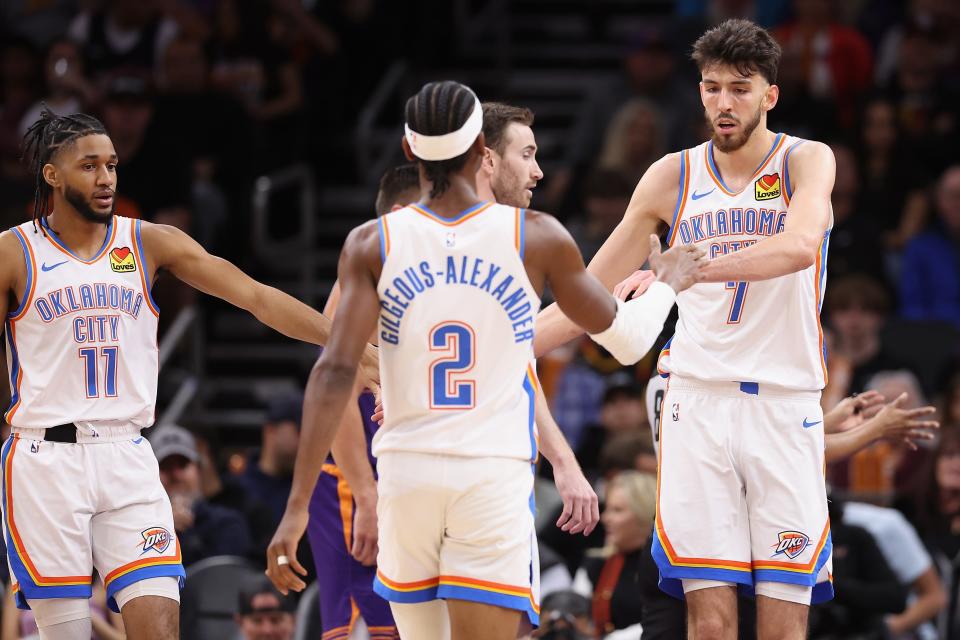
x,y
767,187
121,260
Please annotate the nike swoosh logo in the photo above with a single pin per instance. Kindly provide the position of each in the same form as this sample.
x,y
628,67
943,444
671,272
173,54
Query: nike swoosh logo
x,y
697,196
807,425
52,266
138,440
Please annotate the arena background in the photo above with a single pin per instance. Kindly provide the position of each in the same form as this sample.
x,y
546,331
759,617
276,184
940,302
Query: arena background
x,y
263,126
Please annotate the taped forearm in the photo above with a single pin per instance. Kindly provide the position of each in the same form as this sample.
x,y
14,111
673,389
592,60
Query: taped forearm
x,y
637,324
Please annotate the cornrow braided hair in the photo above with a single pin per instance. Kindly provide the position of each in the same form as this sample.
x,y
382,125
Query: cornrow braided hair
x,y
43,140
439,108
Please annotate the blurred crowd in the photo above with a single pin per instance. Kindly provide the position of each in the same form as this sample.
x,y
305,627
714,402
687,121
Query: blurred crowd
x,y
201,96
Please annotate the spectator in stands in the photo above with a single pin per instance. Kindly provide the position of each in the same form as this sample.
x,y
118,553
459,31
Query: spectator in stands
x,y
606,194
269,473
187,106
934,507
634,140
854,239
250,65
631,451
20,83
579,391
904,552
203,529
265,614
621,412
836,61
68,90
865,587
856,308
128,113
650,72
950,405
565,615
925,101
892,180
930,278
131,34
628,521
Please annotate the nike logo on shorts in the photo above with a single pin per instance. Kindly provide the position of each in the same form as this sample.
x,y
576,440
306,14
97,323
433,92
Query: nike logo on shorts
x,y
807,425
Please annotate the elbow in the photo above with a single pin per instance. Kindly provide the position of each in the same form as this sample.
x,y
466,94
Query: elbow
x,y
805,254
331,372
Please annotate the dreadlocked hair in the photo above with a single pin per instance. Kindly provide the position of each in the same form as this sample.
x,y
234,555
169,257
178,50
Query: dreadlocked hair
x,y
440,108
43,140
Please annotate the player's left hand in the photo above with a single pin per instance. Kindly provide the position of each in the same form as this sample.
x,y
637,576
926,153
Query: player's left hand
x,y
581,508
284,544
365,546
377,415
634,285
370,369
852,411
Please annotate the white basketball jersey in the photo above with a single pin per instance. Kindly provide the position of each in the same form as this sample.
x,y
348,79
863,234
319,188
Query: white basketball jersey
x,y
456,334
766,331
82,345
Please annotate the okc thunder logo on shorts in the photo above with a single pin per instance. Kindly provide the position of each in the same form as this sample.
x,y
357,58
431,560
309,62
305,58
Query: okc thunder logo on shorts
x,y
791,544
155,539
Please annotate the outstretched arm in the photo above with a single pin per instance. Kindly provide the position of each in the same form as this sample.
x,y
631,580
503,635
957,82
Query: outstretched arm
x,y
329,388
812,172
171,249
624,251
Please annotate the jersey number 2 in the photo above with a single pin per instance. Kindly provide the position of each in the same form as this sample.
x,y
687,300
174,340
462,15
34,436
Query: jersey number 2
x,y
447,390
91,371
739,298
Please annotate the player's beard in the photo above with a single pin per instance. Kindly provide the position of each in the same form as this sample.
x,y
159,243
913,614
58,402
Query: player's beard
x,y
82,206
509,189
728,144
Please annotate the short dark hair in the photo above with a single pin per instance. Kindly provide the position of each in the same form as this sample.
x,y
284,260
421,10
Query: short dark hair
x,y
44,140
497,116
437,109
746,46
394,183
857,290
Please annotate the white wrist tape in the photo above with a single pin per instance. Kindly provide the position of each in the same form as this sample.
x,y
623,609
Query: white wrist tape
x,y
637,324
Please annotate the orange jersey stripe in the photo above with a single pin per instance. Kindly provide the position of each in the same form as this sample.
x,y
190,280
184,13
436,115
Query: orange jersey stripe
x,y
449,223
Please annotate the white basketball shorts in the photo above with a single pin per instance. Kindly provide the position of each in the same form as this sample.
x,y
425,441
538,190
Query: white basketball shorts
x,y
741,491
457,528
70,508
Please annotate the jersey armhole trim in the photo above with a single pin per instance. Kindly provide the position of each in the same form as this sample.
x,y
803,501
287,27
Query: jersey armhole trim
x,y
683,187
788,188
520,230
144,277
384,238
31,285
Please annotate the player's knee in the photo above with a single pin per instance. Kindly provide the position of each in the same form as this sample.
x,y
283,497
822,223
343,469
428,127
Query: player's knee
x,y
53,611
710,625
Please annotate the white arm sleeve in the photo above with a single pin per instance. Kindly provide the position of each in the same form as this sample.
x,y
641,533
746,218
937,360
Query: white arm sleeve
x,y
637,324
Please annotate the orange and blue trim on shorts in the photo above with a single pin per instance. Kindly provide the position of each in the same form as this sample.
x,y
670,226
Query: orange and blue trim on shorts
x,y
459,588
159,567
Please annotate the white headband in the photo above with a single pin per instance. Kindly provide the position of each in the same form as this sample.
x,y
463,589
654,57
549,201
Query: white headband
x,y
448,145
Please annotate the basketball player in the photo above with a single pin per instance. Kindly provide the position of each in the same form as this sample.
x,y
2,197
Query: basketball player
x,y
81,490
454,283
741,496
343,519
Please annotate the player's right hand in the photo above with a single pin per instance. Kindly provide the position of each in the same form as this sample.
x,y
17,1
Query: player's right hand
x,y
679,266
284,543
365,546
904,425
377,415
